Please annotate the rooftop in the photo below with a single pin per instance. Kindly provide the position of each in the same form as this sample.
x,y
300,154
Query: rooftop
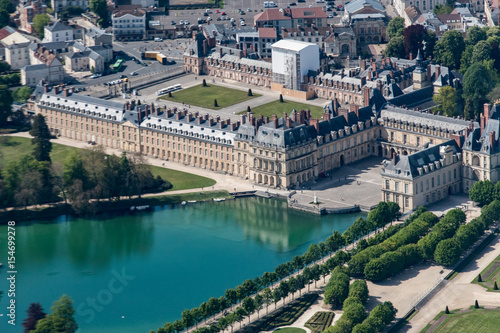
x,y
293,45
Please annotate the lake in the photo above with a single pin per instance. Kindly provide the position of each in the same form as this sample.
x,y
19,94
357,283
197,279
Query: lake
x,y
132,272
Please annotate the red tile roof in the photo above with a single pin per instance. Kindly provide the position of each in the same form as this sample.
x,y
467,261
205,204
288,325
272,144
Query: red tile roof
x,y
272,14
4,32
267,32
449,17
316,12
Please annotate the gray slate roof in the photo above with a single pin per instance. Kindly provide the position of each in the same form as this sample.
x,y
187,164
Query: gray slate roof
x,y
359,4
58,26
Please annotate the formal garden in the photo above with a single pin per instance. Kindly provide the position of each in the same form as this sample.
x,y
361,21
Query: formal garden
x,y
210,96
465,321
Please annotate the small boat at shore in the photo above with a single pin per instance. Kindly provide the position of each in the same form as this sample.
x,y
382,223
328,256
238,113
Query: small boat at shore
x,y
192,201
219,199
183,203
139,207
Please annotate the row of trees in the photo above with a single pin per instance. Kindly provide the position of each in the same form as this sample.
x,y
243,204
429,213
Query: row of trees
x,y
87,176
7,7
305,277
449,250
60,320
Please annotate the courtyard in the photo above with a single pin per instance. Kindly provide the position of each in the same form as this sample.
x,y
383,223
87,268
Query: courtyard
x,y
205,96
276,107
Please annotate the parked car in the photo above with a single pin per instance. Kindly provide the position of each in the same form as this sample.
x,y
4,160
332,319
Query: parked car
x,y
172,22
243,23
205,14
249,10
223,13
123,76
158,39
218,19
181,22
133,74
330,16
293,4
186,22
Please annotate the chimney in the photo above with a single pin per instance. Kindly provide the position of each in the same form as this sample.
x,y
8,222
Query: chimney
x,y
487,112
240,54
157,111
438,71
394,158
302,116
308,114
221,124
266,120
139,114
289,122
342,73
243,118
45,88
457,139
362,64
411,56
220,52
481,121
56,90
374,66
233,126
492,140
366,96
326,116
66,92
314,122
210,121
146,108
369,75
199,120
177,115
355,108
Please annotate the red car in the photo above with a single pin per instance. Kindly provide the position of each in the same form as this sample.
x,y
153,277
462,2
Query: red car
x,y
217,11
223,13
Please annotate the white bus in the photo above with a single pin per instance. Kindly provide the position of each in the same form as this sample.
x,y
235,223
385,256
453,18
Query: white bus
x,y
168,89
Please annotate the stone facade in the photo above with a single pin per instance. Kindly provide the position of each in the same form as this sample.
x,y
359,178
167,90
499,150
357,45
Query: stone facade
x,y
27,12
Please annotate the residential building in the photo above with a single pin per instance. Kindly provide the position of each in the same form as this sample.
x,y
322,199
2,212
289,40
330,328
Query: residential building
x,y
492,12
424,177
82,61
96,36
452,21
40,55
425,6
17,55
258,42
31,75
60,5
291,17
310,35
129,24
58,32
411,15
27,11
292,60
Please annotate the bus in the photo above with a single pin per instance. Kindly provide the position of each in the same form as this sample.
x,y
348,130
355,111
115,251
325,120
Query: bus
x,y
164,91
155,55
117,65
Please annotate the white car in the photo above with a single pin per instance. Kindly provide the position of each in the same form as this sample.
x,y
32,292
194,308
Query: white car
x,y
186,22
133,74
243,23
181,22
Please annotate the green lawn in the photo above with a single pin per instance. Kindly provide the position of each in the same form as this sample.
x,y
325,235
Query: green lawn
x,y
205,96
477,321
291,330
17,147
182,180
287,106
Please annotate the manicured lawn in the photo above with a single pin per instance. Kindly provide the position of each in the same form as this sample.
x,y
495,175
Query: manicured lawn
x,y
291,330
205,96
17,147
489,275
182,180
287,106
477,321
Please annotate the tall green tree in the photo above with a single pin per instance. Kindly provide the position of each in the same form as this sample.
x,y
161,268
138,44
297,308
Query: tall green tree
x,y
4,18
477,84
41,139
481,52
482,192
395,27
5,104
474,35
249,305
100,8
446,99
449,49
61,319
21,94
395,47
448,251
40,21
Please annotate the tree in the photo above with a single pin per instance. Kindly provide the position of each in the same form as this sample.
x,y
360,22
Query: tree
x,y
40,21
413,37
5,104
482,192
61,319
477,84
359,290
395,47
249,306
41,138
34,314
267,297
481,52
21,94
4,18
395,27
7,6
494,94
100,8
355,313
448,252
474,35
449,49
4,67
297,263
446,98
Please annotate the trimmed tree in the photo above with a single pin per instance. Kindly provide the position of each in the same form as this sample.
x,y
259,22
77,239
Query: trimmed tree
x,y
281,98
215,103
250,92
204,83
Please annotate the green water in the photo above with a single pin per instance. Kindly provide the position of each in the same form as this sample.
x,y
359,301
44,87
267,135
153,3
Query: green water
x,y
167,260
